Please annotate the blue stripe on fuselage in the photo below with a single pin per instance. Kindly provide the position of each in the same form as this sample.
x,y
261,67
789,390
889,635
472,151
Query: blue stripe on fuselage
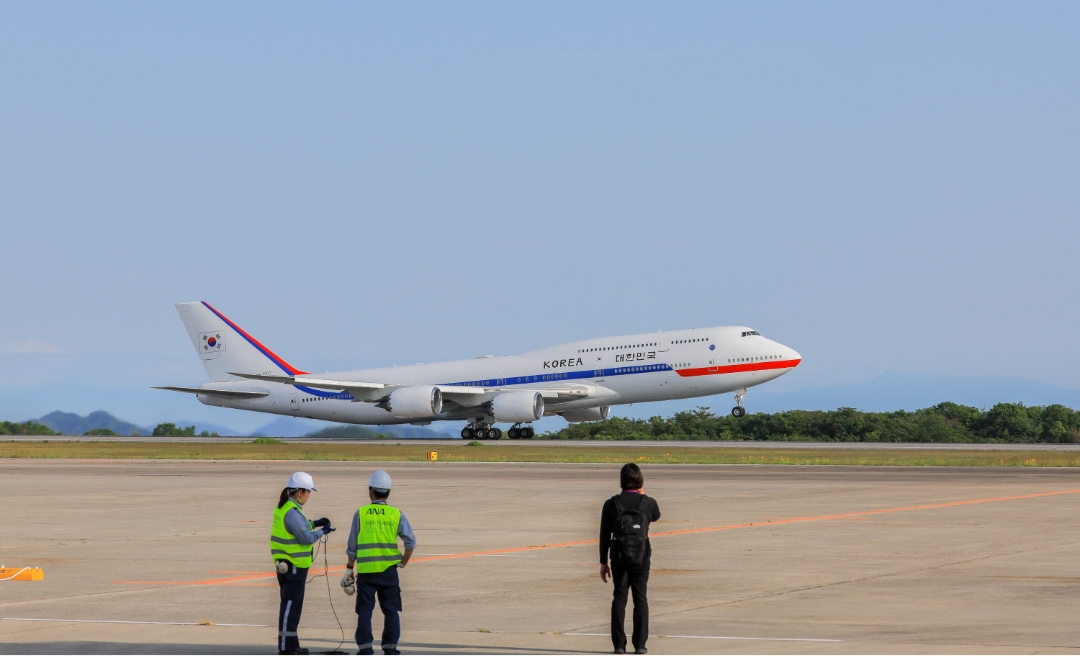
x,y
523,380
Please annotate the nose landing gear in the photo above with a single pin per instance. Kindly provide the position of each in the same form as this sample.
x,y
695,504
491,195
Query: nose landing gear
x,y
739,410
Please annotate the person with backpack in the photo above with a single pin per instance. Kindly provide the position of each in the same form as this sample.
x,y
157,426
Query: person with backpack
x,y
624,532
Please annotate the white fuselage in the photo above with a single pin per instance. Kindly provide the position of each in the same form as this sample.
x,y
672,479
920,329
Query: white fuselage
x,y
618,370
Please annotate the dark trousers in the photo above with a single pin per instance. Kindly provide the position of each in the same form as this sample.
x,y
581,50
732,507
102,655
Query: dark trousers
x,y
636,580
388,588
292,605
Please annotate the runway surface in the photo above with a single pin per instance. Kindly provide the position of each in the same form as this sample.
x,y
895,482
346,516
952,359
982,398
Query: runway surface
x,y
172,557
575,443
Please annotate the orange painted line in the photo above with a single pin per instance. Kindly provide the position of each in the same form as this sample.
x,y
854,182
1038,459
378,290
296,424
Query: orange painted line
x,y
242,580
864,513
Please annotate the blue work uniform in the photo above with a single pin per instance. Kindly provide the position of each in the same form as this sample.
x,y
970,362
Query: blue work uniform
x,y
385,585
291,584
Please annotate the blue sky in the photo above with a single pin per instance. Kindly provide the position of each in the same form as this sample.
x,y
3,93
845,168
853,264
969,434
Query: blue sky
x,y
884,187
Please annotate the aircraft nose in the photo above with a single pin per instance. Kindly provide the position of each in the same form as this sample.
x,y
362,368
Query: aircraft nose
x,y
794,355
790,354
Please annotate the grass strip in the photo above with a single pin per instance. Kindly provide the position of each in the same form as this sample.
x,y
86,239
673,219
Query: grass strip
x,y
554,454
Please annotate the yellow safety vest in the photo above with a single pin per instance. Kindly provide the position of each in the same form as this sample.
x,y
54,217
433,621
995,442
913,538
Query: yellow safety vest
x,y
284,545
376,543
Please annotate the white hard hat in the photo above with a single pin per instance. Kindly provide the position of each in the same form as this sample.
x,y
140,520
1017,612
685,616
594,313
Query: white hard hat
x,y
301,481
380,480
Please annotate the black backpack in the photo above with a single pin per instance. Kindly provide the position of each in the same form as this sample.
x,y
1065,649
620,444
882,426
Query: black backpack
x,y
630,547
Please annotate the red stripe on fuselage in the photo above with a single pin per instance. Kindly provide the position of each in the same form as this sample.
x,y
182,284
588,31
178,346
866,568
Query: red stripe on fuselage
x,y
739,368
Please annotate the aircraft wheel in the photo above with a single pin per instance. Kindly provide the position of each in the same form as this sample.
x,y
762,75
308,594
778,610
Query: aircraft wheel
x,y
527,432
738,411
467,433
513,433
495,434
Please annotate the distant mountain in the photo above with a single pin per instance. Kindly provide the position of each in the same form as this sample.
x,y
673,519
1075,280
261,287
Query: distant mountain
x,y
898,391
287,427
346,431
201,426
399,432
69,423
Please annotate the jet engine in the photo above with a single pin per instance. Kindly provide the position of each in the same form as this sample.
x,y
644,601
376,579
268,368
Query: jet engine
x,y
417,402
586,414
518,406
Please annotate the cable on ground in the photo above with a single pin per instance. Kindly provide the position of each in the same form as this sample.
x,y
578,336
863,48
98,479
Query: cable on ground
x,y
322,545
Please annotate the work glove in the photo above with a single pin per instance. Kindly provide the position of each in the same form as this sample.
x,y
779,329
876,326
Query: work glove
x,y
348,583
327,530
282,566
321,522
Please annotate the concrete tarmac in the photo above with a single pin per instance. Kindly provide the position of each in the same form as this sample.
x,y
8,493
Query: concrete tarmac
x,y
658,444
172,557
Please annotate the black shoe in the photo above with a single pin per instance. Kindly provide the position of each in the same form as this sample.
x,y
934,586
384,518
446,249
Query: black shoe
x,y
620,650
302,651
641,650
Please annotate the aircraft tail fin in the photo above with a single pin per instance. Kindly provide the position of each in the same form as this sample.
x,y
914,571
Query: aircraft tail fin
x,y
224,346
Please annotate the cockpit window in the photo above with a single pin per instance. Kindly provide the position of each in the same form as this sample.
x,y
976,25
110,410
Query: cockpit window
x,y
747,333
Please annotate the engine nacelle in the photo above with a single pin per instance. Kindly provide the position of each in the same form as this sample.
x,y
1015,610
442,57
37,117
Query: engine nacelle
x,y
586,414
518,406
415,402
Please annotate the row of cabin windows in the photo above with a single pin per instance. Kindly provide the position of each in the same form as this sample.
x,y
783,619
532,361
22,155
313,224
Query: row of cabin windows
x,y
759,358
322,398
617,348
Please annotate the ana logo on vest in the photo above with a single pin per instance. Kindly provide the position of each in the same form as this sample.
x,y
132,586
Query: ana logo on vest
x,y
376,511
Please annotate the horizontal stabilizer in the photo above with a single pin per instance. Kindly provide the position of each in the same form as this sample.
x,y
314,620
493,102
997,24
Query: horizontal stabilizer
x,y
228,394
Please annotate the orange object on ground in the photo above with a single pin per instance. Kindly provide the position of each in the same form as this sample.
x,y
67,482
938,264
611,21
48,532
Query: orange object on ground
x,y
21,574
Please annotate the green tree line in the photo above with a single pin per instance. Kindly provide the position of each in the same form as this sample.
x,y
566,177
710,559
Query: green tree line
x,y
34,428
24,428
945,422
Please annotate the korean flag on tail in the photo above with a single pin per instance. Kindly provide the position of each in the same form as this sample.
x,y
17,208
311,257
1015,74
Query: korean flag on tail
x,y
211,344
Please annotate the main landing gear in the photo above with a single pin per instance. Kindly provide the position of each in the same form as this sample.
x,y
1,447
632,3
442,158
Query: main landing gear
x,y
485,432
521,433
739,410
481,432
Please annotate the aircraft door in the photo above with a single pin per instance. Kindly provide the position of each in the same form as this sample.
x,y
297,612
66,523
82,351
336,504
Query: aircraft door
x,y
294,402
663,343
712,363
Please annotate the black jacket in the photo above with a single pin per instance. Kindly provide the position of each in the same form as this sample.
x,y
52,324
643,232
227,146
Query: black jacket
x,y
607,517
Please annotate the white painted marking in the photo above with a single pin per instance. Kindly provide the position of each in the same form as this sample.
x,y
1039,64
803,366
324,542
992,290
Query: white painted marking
x,y
45,619
654,635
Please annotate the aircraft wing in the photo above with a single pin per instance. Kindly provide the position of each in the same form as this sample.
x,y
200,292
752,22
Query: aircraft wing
x,y
360,391
368,391
318,383
228,394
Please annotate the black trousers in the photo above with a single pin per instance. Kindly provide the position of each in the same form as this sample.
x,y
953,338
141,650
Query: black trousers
x,y
637,582
388,588
291,589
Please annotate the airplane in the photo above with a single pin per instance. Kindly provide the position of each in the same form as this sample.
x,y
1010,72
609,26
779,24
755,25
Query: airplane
x,y
579,381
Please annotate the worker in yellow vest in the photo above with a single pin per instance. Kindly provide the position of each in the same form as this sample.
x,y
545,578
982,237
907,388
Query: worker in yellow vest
x,y
291,537
373,550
